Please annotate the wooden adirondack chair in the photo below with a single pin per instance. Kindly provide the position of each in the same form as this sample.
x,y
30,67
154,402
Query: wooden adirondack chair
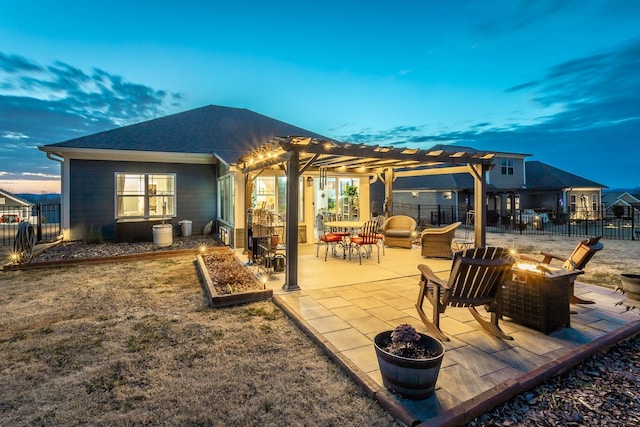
x,y
476,278
582,254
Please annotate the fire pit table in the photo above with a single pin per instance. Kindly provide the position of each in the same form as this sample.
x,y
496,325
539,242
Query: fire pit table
x,y
537,296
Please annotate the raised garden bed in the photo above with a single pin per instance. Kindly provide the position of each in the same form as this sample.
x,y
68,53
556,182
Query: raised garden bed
x,y
226,281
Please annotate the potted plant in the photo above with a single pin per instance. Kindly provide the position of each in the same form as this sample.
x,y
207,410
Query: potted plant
x,y
409,361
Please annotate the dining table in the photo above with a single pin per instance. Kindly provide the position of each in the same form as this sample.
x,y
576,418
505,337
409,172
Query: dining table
x,y
348,228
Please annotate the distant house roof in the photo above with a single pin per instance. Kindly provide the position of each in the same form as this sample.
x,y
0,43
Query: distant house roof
x,y
612,198
458,181
17,201
541,176
466,149
226,131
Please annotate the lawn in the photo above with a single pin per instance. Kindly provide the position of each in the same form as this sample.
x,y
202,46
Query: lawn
x,y
130,343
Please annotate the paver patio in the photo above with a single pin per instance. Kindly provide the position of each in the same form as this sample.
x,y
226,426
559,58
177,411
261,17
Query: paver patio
x,y
343,305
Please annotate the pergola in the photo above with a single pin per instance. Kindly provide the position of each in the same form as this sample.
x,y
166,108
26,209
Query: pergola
x,y
297,155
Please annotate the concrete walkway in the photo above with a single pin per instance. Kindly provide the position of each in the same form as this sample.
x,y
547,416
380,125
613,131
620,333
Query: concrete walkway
x,y
343,305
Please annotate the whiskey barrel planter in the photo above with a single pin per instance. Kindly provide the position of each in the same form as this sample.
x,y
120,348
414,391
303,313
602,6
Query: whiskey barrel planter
x,y
631,285
413,379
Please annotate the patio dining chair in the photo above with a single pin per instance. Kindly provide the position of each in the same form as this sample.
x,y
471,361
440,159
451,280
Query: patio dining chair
x,y
476,278
364,242
328,239
582,254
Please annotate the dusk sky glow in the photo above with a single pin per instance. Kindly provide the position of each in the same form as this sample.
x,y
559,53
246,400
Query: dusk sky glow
x,y
558,79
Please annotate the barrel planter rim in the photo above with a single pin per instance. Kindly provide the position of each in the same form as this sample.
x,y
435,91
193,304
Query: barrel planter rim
x,y
631,285
423,336
409,384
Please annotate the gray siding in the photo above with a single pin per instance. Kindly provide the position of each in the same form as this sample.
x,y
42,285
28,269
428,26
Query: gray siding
x,y
507,181
92,194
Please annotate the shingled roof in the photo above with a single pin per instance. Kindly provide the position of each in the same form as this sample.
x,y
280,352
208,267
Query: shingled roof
x,y
541,176
226,131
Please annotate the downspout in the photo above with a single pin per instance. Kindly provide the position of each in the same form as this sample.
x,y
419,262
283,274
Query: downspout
x,y
64,204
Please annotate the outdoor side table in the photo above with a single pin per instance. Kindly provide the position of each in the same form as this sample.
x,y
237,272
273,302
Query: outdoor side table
x,y
538,297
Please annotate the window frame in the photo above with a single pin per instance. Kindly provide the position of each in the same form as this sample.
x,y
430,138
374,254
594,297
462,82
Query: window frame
x,y
146,196
507,166
226,199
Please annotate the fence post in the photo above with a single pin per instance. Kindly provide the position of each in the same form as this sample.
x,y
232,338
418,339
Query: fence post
x,y
419,219
439,215
39,222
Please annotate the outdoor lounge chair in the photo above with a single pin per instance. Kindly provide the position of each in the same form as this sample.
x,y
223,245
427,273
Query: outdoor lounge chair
x,y
476,278
436,242
582,254
398,231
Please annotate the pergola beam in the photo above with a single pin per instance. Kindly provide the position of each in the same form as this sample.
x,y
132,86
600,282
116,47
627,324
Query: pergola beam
x,y
387,163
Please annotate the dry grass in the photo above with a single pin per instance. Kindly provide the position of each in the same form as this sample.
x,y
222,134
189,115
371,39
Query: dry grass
x,y
130,344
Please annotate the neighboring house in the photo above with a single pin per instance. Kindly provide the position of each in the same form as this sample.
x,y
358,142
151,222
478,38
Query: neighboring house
x,y
513,185
13,207
552,189
622,203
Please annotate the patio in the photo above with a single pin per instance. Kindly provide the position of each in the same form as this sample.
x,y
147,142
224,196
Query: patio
x,y
343,305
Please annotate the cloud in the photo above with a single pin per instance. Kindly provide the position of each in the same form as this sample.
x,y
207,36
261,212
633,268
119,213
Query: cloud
x,y
596,90
43,104
593,132
40,175
14,135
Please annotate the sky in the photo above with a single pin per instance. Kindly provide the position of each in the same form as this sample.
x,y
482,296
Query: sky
x,y
556,79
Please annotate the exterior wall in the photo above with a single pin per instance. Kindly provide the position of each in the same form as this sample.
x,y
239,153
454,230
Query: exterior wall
x,y
495,177
541,200
92,194
581,211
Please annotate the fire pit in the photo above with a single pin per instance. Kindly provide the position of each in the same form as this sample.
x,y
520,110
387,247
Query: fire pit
x,y
631,285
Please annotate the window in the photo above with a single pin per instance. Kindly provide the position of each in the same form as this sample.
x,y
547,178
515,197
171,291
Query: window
x,y
226,199
572,203
594,202
513,202
145,195
270,193
506,166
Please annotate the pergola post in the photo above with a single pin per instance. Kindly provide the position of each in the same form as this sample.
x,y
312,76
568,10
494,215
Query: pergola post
x,y
388,192
248,190
479,174
291,233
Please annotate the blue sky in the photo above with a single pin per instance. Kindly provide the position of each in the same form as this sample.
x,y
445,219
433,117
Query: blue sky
x,y
556,79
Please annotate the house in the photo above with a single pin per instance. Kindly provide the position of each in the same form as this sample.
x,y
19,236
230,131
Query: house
x,y
14,209
179,167
212,165
622,203
513,185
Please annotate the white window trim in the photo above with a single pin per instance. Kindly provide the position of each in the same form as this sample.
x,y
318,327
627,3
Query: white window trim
x,y
146,196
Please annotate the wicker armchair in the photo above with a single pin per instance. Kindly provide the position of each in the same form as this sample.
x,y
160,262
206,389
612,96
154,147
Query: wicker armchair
x,y
436,242
398,231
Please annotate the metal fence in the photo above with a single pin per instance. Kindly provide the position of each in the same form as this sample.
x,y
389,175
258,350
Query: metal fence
x,y
611,223
45,219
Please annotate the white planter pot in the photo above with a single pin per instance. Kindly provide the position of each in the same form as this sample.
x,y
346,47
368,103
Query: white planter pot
x,y
162,235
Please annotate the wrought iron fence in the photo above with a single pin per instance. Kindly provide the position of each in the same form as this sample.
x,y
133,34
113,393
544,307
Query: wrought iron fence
x,y
45,219
610,222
